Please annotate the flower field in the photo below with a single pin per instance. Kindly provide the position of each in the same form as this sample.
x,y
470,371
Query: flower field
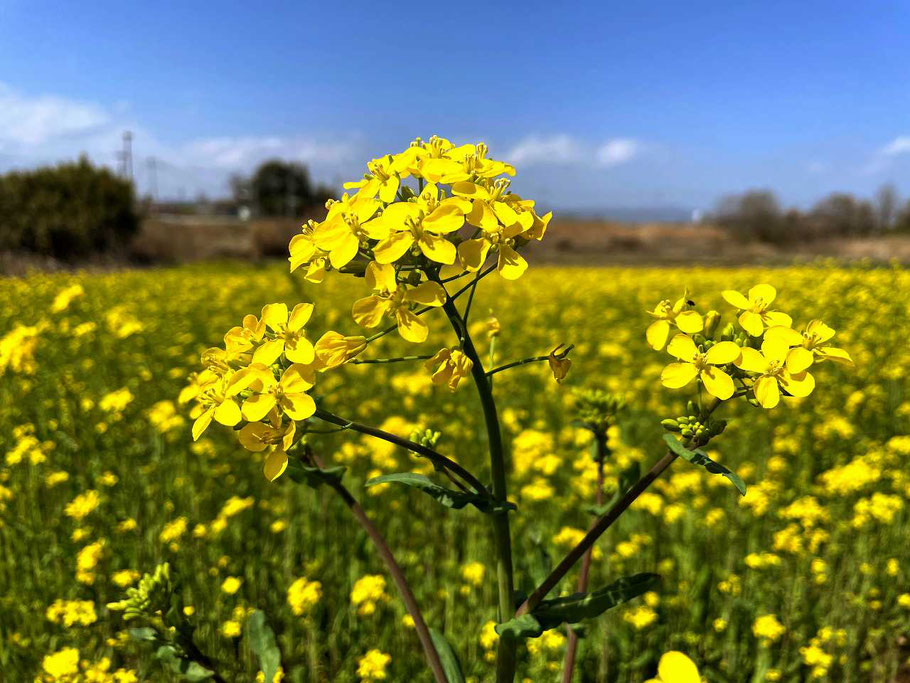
x,y
804,578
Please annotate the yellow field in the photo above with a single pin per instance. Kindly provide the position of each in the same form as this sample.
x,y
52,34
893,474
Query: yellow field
x,y
806,577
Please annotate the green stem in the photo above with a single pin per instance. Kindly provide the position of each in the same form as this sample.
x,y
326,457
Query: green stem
x,y
515,364
600,526
508,646
385,553
437,458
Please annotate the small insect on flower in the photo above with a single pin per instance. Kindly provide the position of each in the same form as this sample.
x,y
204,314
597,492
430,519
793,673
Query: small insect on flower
x,y
680,315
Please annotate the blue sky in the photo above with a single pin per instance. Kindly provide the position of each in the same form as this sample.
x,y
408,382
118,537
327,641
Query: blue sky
x,y
599,104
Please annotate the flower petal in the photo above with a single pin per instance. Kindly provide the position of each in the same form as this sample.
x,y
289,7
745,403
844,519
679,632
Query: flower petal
x,y
202,423
834,354
799,359
657,334
683,347
299,316
345,252
370,310
717,383
269,351
257,406
800,385
473,253
410,327
228,413
690,322
437,248
276,463
426,293
393,247
298,406
766,392
734,298
677,375
511,265
751,323
762,293
722,353
275,316
751,360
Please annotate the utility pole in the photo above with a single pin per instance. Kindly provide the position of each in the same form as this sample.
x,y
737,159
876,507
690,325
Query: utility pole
x,y
126,156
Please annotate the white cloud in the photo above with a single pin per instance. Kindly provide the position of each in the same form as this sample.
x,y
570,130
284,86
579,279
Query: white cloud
x,y
617,151
556,149
241,153
565,149
899,145
35,121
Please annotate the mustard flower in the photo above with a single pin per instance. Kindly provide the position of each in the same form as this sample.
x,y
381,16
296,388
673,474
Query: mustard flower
x,y
423,223
334,349
289,335
773,375
287,394
756,316
449,367
346,227
696,363
809,345
668,315
372,666
394,299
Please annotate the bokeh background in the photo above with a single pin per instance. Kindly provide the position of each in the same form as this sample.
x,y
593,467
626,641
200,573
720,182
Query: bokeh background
x,y
155,160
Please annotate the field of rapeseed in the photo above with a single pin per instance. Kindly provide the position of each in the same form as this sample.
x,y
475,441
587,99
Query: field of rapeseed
x,y
804,578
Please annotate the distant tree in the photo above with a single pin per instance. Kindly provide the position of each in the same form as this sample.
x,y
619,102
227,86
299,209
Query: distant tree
x,y
843,214
755,214
278,188
902,221
66,211
886,206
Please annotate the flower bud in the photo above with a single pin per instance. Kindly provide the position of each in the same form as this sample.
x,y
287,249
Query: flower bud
x,y
670,425
712,320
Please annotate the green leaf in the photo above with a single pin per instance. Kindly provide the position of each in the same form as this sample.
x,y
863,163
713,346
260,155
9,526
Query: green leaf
x,y
313,477
700,458
573,608
189,670
262,641
450,664
442,495
144,634
525,626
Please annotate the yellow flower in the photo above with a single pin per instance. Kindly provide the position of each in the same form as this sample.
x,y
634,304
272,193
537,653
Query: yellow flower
x,y
334,349
289,394
675,667
65,297
424,222
755,316
679,314
82,505
384,177
451,366
62,663
396,300
702,365
257,436
215,401
303,595
770,364
289,335
768,628
231,585
346,227
372,666
304,252
808,345
473,573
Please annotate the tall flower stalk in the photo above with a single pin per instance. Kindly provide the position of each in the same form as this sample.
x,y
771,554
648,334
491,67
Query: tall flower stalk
x,y
422,230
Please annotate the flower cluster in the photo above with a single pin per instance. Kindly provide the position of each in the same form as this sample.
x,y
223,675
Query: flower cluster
x,y
405,241
761,357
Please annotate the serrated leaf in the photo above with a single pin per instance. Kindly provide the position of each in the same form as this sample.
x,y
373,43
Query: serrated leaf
x,y
263,644
700,458
572,609
313,477
442,495
450,663
189,670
